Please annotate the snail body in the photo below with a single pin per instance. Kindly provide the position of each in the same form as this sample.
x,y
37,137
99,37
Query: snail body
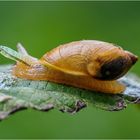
x,y
87,64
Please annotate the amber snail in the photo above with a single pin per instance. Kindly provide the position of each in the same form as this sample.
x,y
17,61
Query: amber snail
x,y
88,64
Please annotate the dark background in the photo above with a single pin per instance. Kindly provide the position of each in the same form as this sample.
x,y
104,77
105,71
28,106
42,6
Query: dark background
x,y
41,26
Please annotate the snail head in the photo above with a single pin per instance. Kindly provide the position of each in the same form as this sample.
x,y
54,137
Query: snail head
x,y
112,64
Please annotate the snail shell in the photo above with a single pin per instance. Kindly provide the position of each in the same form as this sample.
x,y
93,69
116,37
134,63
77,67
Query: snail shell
x,y
87,64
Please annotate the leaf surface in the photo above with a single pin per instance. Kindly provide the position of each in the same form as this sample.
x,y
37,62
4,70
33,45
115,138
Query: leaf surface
x,y
17,94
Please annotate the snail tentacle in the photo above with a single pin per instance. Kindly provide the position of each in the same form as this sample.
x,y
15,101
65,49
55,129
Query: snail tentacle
x,y
21,49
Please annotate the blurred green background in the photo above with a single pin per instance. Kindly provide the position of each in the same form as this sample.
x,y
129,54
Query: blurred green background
x,y
41,26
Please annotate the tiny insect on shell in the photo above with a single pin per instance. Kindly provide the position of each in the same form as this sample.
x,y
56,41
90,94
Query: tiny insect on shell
x,y
88,64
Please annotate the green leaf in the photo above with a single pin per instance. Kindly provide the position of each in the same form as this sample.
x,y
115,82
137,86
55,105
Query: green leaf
x,y
17,94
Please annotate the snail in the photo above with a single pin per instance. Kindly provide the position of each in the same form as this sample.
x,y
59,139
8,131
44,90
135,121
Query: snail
x,y
87,64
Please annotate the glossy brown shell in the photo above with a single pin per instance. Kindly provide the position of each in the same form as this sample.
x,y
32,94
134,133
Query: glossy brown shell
x,y
75,56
